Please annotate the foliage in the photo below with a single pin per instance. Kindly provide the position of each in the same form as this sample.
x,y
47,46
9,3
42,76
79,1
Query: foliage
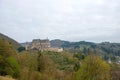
x,y
12,68
29,65
48,65
103,49
79,55
20,49
15,44
93,68
54,65
115,71
8,62
6,49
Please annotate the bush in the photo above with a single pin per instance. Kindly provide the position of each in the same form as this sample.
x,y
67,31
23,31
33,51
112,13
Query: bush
x,y
93,68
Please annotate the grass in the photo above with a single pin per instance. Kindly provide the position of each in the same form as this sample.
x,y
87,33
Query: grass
x,y
6,78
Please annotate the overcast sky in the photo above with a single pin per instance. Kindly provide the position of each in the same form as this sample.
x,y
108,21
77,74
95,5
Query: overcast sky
x,y
73,20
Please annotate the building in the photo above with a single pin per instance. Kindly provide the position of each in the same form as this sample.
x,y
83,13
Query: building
x,y
42,45
26,46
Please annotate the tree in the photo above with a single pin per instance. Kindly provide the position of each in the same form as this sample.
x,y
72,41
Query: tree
x,y
115,71
29,64
93,68
6,49
12,67
79,55
20,49
8,62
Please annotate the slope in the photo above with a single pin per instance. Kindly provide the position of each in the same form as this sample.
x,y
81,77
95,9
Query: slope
x,y
15,44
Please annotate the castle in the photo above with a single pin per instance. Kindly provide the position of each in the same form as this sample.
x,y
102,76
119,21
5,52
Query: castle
x,y
41,45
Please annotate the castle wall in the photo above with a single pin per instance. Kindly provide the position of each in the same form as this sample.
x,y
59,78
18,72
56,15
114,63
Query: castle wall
x,y
43,45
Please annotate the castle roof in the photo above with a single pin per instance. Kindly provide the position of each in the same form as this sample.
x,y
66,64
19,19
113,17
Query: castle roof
x,y
40,40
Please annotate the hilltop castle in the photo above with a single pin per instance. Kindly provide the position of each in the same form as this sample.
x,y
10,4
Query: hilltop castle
x,y
41,45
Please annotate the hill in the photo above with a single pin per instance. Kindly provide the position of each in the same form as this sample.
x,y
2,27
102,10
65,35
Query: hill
x,y
10,40
59,43
105,48
67,44
83,46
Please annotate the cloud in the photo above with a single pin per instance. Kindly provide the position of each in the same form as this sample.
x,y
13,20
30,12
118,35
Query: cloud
x,y
73,20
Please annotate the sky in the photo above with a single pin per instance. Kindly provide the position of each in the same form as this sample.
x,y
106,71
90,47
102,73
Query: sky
x,y
71,20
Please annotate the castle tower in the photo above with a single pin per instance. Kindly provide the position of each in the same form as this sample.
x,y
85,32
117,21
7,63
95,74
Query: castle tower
x,y
26,46
109,61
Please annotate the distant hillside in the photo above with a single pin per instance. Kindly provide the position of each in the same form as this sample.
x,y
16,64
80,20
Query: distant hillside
x,y
67,44
104,48
12,41
59,43
83,46
23,44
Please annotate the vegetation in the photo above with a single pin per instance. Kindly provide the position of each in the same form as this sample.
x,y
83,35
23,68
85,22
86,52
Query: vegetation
x,y
105,49
15,44
48,65
93,68
6,78
8,62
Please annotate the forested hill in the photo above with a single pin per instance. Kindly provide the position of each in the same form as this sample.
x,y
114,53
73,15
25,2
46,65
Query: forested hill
x,y
67,44
104,48
10,40
83,46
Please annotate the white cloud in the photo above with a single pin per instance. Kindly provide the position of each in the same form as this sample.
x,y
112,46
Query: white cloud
x,y
94,20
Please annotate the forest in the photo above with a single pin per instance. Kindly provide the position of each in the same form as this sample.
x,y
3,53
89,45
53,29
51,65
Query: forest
x,y
49,65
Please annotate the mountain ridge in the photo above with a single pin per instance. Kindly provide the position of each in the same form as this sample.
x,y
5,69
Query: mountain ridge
x,y
84,46
15,44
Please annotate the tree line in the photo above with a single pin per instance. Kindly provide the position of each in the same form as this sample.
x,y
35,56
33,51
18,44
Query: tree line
x,y
48,65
